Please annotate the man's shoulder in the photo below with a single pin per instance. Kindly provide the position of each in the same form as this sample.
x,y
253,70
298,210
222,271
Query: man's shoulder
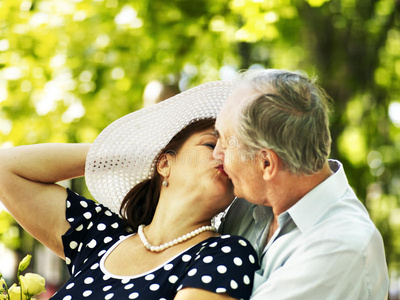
x,y
239,216
345,223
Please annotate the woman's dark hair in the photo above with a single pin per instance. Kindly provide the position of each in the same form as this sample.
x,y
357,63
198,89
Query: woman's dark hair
x,y
139,205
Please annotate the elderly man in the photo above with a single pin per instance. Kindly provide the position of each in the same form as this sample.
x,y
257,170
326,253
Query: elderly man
x,y
314,237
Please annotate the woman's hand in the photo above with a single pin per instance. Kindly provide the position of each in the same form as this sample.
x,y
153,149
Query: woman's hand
x,y
28,189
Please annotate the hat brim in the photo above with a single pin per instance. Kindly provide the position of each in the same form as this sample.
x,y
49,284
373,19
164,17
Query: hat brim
x,y
124,153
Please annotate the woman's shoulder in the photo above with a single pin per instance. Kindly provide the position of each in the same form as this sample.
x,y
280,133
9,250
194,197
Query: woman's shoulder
x,y
229,247
93,229
79,207
230,240
86,217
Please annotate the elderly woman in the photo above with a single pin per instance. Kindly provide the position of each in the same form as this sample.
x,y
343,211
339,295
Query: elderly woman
x,y
155,168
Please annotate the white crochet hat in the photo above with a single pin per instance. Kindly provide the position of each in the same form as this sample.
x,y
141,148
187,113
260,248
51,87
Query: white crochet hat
x,y
124,153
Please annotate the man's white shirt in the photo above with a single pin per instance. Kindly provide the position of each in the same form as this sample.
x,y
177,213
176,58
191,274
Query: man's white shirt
x,y
326,246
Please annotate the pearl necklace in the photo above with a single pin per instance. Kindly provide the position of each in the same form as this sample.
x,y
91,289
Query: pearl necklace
x,y
174,242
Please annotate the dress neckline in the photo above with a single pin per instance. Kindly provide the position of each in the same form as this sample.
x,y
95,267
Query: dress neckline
x,y
115,276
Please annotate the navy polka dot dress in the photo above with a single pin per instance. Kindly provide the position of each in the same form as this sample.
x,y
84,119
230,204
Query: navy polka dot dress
x,y
223,264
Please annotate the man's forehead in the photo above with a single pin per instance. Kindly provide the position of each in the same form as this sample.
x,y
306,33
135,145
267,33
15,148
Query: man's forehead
x,y
221,125
225,119
240,97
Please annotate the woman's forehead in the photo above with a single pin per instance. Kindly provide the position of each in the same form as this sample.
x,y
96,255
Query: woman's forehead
x,y
209,132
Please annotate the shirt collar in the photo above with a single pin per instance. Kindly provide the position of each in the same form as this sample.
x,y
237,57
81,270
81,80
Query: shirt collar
x,y
306,212
261,213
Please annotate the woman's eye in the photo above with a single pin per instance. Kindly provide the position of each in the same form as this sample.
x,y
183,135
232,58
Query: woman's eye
x,y
210,145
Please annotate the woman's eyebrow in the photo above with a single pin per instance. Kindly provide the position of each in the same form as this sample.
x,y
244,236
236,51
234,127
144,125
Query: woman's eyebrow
x,y
209,133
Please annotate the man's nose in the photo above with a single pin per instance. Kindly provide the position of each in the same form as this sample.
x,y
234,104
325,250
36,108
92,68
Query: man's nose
x,y
218,153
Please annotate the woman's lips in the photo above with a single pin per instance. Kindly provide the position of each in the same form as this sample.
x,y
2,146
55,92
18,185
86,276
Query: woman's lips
x,y
220,169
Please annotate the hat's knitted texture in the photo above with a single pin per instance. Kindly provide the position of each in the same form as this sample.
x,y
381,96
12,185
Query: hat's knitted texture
x,y
124,153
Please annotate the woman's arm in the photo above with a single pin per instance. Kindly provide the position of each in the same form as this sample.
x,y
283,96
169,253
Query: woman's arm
x,y
199,294
27,187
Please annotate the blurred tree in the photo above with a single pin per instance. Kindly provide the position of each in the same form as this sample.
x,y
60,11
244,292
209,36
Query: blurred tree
x,y
69,68
352,46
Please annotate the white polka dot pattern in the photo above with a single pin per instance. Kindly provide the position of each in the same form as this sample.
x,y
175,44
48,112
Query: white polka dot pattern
x,y
221,269
101,227
134,295
129,286
208,259
107,239
234,284
73,245
88,280
220,290
149,277
154,287
220,264
107,288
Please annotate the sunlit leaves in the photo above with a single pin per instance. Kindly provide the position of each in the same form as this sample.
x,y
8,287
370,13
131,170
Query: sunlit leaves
x,y
70,67
317,3
352,145
9,232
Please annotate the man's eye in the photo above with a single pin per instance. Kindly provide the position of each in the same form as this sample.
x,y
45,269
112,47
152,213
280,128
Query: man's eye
x,y
210,145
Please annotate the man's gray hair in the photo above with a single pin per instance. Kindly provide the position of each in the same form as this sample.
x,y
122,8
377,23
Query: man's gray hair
x,y
290,116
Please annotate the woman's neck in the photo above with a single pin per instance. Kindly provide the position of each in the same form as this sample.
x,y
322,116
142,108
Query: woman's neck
x,y
174,218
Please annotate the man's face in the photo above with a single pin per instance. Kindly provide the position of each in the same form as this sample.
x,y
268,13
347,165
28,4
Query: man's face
x,y
243,169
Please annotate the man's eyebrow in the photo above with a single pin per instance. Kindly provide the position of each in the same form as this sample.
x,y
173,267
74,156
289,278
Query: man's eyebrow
x,y
216,133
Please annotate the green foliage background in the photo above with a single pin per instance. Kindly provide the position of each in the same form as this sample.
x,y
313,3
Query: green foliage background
x,y
68,68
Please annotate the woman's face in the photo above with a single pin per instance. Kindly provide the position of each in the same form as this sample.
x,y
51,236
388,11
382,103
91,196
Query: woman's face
x,y
195,171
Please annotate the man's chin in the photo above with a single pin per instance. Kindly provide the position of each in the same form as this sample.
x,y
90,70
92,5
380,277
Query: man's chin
x,y
237,192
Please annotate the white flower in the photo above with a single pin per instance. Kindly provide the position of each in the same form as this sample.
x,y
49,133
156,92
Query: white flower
x,y
15,293
32,284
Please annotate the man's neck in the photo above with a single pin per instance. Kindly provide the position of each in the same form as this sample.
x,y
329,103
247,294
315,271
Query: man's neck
x,y
290,188
272,228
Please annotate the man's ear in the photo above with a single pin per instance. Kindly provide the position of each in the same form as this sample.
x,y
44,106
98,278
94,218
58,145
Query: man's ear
x,y
269,163
164,165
